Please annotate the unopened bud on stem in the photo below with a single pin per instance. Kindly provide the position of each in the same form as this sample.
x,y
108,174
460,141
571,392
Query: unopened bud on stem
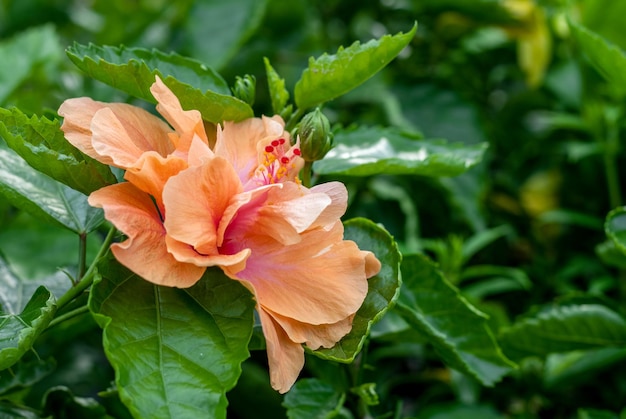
x,y
316,138
245,88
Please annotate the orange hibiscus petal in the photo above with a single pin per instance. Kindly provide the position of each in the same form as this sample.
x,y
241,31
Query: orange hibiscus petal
x,y
151,172
285,357
186,123
338,195
144,251
77,114
314,336
195,201
124,134
321,279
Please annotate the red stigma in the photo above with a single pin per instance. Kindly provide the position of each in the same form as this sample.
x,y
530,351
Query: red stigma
x,y
269,149
284,160
281,141
275,143
296,151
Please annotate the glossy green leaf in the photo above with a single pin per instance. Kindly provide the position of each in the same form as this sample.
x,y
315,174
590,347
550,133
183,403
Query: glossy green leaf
x,y
61,402
42,196
231,24
14,411
176,352
24,315
383,287
276,85
455,328
565,369
133,71
563,329
605,57
610,254
330,76
596,414
368,151
615,227
313,398
42,144
25,374
28,50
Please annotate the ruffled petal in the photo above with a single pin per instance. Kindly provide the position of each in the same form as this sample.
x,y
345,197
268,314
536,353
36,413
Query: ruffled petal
x,y
338,195
77,114
237,143
314,336
285,357
144,251
186,123
152,171
125,136
321,279
195,201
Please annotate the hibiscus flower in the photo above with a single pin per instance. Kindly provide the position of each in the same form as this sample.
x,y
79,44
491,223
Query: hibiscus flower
x,y
238,205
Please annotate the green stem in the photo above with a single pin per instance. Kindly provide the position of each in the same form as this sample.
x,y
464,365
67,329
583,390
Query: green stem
x,y
610,164
68,315
294,119
306,173
82,255
88,278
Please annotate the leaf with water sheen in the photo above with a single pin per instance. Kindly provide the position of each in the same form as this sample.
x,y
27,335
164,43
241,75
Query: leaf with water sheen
x,y
330,76
562,329
383,287
604,56
369,151
313,398
25,312
42,144
44,197
176,352
458,332
133,71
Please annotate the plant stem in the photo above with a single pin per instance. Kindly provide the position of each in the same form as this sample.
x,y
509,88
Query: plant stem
x,y
306,173
68,315
82,255
294,120
88,278
610,164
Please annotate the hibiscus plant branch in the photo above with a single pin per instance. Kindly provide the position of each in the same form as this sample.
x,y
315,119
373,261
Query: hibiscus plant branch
x,y
87,279
293,120
66,316
306,174
82,254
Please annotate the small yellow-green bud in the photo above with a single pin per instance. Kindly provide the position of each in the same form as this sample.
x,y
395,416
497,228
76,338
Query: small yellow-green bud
x,y
316,138
245,88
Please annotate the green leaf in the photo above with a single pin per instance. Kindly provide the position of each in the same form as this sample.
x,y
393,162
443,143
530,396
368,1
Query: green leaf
x,y
563,329
21,324
330,76
604,56
459,332
13,411
133,71
60,402
615,228
276,85
42,144
27,51
368,151
578,367
313,398
176,352
610,254
42,196
383,288
25,374
216,29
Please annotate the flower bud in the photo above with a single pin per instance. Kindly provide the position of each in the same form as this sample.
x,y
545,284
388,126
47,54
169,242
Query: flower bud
x,y
316,138
245,88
